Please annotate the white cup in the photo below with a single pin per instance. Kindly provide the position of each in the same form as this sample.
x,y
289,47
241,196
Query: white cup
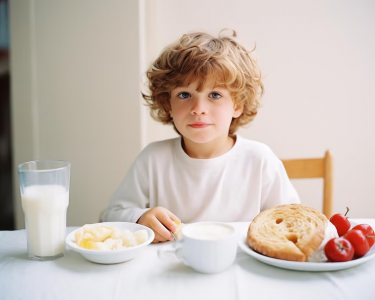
x,y
207,247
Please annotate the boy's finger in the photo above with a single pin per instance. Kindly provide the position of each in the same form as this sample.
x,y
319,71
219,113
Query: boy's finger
x,y
173,216
158,227
167,221
159,237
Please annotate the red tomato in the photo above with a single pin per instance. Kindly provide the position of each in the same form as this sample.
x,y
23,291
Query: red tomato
x,y
341,223
358,241
338,250
368,232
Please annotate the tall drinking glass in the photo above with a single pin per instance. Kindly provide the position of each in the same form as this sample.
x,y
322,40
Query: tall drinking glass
x,y
44,186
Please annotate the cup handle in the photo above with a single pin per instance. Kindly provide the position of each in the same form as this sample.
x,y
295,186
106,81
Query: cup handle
x,y
169,252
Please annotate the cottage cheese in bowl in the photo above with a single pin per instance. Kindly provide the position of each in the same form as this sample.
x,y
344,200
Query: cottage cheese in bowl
x,y
110,242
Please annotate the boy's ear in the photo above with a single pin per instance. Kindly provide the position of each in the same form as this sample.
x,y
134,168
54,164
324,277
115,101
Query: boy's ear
x,y
238,109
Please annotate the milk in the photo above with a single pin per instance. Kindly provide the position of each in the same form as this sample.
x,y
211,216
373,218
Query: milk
x,y
207,231
45,217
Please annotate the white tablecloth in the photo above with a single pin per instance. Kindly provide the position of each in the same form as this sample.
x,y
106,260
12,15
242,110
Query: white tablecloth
x,y
149,277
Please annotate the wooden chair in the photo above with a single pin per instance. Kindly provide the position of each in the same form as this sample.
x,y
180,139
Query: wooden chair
x,y
315,168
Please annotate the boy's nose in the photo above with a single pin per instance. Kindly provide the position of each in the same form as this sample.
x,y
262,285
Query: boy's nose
x,y
198,108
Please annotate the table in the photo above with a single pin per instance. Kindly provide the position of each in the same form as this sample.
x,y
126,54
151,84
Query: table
x,y
149,277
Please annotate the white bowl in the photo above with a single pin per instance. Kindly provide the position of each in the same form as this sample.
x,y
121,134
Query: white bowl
x,y
112,256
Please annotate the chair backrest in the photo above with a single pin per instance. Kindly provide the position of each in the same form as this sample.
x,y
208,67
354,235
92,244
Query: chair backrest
x,y
315,168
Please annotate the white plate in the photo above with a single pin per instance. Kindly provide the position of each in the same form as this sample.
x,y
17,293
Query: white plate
x,y
112,256
303,266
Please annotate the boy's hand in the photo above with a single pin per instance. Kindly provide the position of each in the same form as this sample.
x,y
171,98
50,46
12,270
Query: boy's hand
x,y
156,218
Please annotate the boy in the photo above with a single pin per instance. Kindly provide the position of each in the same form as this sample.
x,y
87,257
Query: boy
x,y
206,87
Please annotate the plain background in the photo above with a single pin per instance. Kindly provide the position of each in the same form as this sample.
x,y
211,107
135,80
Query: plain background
x,y
77,70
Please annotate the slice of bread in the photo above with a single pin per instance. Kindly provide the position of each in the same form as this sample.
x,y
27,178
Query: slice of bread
x,y
290,232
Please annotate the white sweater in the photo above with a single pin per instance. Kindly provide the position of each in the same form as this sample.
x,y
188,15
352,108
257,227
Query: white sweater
x,y
233,187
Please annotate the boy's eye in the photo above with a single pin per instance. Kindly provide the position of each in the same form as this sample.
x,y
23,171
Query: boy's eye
x,y
183,95
215,95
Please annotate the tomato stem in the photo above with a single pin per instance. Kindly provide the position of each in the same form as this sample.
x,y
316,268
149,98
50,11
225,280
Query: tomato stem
x,y
347,210
371,236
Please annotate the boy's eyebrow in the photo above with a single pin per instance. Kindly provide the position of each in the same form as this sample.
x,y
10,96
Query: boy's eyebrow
x,y
214,87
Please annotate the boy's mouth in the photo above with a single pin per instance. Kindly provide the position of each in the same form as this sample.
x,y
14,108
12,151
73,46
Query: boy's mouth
x,y
199,125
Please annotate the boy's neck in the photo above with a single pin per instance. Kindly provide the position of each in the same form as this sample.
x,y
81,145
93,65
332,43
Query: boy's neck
x,y
214,148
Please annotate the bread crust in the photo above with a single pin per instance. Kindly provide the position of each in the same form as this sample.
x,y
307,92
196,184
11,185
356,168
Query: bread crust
x,y
291,232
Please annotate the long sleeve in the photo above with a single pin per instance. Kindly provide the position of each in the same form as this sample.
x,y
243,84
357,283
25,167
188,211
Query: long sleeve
x,y
131,199
276,186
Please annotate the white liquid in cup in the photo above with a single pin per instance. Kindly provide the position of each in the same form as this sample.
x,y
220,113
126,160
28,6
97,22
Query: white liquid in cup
x,y
45,217
208,231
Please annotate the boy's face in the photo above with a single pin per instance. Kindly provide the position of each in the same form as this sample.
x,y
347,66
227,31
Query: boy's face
x,y
203,116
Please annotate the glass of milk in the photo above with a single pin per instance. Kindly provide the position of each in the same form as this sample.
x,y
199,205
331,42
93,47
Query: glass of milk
x,y
44,186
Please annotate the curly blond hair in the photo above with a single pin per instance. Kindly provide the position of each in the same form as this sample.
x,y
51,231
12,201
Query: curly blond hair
x,y
200,56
